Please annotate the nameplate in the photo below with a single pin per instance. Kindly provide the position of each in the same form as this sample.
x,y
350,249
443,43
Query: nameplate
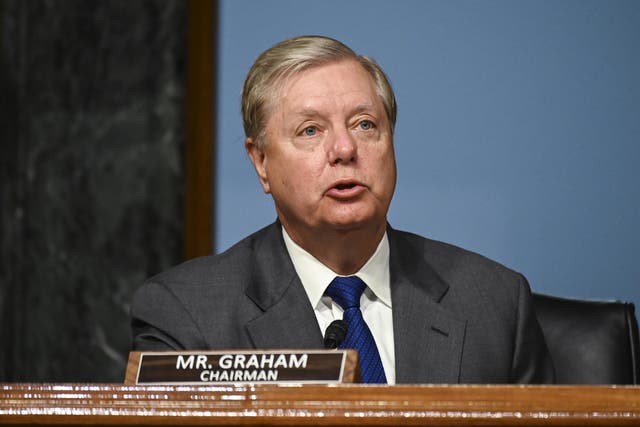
x,y
231,367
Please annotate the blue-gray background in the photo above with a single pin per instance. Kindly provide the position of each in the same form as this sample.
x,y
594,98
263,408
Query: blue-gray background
x,y
518,134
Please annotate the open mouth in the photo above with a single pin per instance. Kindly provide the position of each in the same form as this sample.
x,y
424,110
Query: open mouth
x,y
346,190
345,186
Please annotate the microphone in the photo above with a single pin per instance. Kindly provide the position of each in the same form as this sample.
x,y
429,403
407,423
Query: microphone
x,y
335,334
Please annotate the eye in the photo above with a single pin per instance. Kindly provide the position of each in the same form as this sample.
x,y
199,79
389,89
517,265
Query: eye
x,y
310,131
365,125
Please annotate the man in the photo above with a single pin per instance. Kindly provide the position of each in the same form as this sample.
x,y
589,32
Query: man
x,y
319,123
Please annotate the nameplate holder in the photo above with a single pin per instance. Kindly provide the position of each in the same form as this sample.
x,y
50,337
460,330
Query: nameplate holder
x,y
242,366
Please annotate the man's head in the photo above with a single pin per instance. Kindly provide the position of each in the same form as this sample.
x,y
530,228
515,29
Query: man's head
x,y
260,92
319,123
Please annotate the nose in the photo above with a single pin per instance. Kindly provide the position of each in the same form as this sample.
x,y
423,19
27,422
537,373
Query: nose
x,y
343,147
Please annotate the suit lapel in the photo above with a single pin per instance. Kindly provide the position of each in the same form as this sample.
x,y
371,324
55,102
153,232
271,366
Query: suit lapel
x,y
428,338
287,320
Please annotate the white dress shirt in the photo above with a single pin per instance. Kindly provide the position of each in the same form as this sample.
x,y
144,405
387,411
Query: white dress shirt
x,y
375,303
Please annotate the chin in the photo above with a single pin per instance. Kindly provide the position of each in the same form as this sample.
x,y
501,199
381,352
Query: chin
x,y
353,223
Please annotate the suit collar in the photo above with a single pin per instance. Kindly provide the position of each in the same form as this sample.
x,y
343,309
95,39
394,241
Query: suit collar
x,y
428,337
287,319
272,267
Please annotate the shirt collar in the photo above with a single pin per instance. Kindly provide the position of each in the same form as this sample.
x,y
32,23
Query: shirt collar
x,y
315,276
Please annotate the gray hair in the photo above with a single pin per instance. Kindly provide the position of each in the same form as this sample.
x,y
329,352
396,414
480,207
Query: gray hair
x,y
289,57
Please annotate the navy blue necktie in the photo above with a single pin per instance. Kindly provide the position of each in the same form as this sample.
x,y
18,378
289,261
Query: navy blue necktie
x,y
346,292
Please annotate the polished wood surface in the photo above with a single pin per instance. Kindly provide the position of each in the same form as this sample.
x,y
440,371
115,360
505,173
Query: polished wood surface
x,y
331,405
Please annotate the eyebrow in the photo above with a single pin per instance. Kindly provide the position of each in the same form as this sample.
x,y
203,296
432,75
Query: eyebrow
x,y
365,106
307,112
311,112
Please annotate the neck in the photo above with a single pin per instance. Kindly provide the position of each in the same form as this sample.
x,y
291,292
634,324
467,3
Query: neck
x,y
343,251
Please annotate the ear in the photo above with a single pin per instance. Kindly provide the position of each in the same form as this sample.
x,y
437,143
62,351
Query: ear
x,y
259,159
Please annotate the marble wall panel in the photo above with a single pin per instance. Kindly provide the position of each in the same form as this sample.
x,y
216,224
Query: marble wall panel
x,y
91,128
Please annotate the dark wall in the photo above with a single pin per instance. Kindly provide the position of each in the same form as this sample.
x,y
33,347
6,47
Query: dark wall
x,y
91,128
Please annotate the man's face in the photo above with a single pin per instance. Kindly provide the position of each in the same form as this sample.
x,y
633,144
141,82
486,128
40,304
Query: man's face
x,y
328,159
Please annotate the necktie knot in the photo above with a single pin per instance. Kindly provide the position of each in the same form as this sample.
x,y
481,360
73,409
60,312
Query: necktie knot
x,y
346,291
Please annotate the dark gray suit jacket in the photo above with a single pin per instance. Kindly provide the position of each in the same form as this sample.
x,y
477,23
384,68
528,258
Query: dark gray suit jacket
x,y
457,316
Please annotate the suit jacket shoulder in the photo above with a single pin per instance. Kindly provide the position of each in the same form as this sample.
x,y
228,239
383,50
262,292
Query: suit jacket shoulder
x,y
471,318
246,297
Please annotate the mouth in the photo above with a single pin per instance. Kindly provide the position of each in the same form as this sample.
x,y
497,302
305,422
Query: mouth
x,y
346,189
345,186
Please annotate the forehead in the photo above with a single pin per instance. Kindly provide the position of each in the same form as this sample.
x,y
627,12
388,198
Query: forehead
x,y
333,84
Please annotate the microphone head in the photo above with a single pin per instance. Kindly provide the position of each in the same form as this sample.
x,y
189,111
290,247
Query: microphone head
x,y
335,334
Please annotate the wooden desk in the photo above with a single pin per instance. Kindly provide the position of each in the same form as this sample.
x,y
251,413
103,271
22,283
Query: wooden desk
x,y
340,405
